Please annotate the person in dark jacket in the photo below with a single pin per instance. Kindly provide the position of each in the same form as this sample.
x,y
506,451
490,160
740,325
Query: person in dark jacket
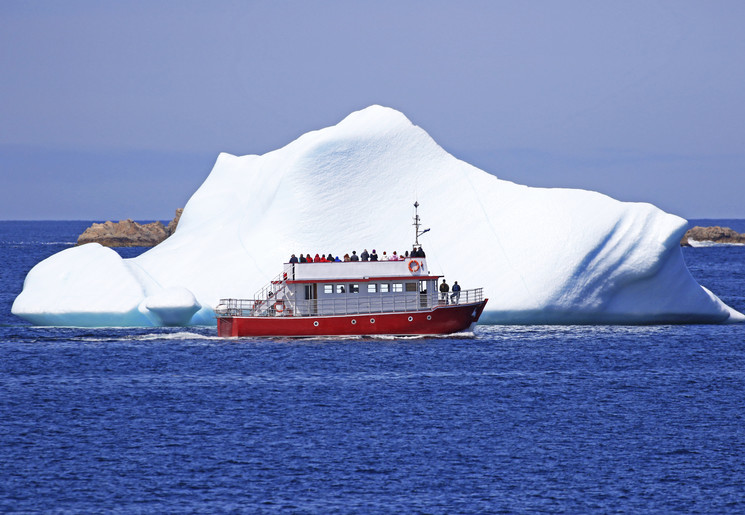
x,y
364,256
330,258
444,289
302,259
293,259
354,256
455,297
373,256
418,252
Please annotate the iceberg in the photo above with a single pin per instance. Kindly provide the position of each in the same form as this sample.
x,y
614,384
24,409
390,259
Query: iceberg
x,y
543,256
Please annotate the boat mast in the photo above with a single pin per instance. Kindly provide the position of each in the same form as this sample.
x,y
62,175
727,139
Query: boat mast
x,y
416,225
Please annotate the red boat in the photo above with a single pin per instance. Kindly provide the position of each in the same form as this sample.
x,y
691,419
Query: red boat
x,y
357,298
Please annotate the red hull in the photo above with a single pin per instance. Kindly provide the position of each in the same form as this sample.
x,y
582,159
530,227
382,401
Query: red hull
x,y
439,320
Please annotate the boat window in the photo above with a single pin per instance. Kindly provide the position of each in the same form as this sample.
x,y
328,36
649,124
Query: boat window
x,y
340,288
398,287
384,287
410,286
372,288
309,294
328,288
354,288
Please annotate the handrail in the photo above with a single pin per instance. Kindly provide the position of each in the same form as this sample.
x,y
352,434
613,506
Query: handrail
x,y
348,305
276,290
273,286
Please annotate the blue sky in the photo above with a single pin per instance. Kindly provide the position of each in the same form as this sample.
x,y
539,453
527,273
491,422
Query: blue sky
x,y
112,110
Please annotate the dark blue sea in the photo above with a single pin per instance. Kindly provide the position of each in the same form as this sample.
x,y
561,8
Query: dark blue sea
x,y
570,419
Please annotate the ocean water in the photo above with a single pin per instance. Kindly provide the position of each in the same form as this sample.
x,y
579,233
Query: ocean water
x,y
566,419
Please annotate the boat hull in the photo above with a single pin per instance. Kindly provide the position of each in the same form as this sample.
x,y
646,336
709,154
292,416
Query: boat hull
x,y
438,320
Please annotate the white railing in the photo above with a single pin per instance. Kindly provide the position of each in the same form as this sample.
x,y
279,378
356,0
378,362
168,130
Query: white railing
x,y
347,305
264,300
277,283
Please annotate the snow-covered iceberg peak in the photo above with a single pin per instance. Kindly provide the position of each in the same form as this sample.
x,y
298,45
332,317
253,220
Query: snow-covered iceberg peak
x,y
542,255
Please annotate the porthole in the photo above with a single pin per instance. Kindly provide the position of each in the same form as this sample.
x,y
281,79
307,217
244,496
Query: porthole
x,y
315,323
372,320
429,317
411,319
354,321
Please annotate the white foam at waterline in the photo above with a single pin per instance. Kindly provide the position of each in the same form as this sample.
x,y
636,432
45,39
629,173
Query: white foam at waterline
x,y
178,336
295,339
467,335
709,243
146,337
390,337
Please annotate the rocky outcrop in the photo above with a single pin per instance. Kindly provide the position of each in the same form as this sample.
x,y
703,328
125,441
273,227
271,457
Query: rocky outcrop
x,y
128,233
171,227
715,234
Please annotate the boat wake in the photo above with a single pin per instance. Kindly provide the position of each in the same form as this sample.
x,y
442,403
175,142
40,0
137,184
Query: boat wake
x,y
146,337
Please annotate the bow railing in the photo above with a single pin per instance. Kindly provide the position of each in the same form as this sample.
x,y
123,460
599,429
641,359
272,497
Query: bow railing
x,y
347,305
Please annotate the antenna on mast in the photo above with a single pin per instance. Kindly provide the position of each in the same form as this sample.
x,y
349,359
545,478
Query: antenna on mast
x,y
416,225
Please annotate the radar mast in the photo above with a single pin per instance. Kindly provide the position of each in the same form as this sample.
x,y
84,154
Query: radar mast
x,y
416,225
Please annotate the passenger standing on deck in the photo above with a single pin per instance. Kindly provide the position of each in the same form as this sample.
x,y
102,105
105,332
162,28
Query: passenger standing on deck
x,y
373,256
354,256
364,256
456,293
384,257
302,259
293,259
316,259
444,289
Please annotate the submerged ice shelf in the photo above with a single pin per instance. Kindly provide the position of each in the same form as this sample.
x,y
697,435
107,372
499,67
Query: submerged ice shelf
x,y
542,255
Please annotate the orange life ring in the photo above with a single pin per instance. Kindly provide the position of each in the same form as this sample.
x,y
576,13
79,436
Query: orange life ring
x,y
279,306
414,266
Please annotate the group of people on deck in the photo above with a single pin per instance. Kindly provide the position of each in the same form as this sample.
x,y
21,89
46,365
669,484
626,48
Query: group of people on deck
x,y
365,256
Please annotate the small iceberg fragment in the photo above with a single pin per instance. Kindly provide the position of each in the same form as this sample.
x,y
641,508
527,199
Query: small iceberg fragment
x,y
86,286
171,307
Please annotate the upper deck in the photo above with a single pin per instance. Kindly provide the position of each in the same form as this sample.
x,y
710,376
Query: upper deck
x,y
356,270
